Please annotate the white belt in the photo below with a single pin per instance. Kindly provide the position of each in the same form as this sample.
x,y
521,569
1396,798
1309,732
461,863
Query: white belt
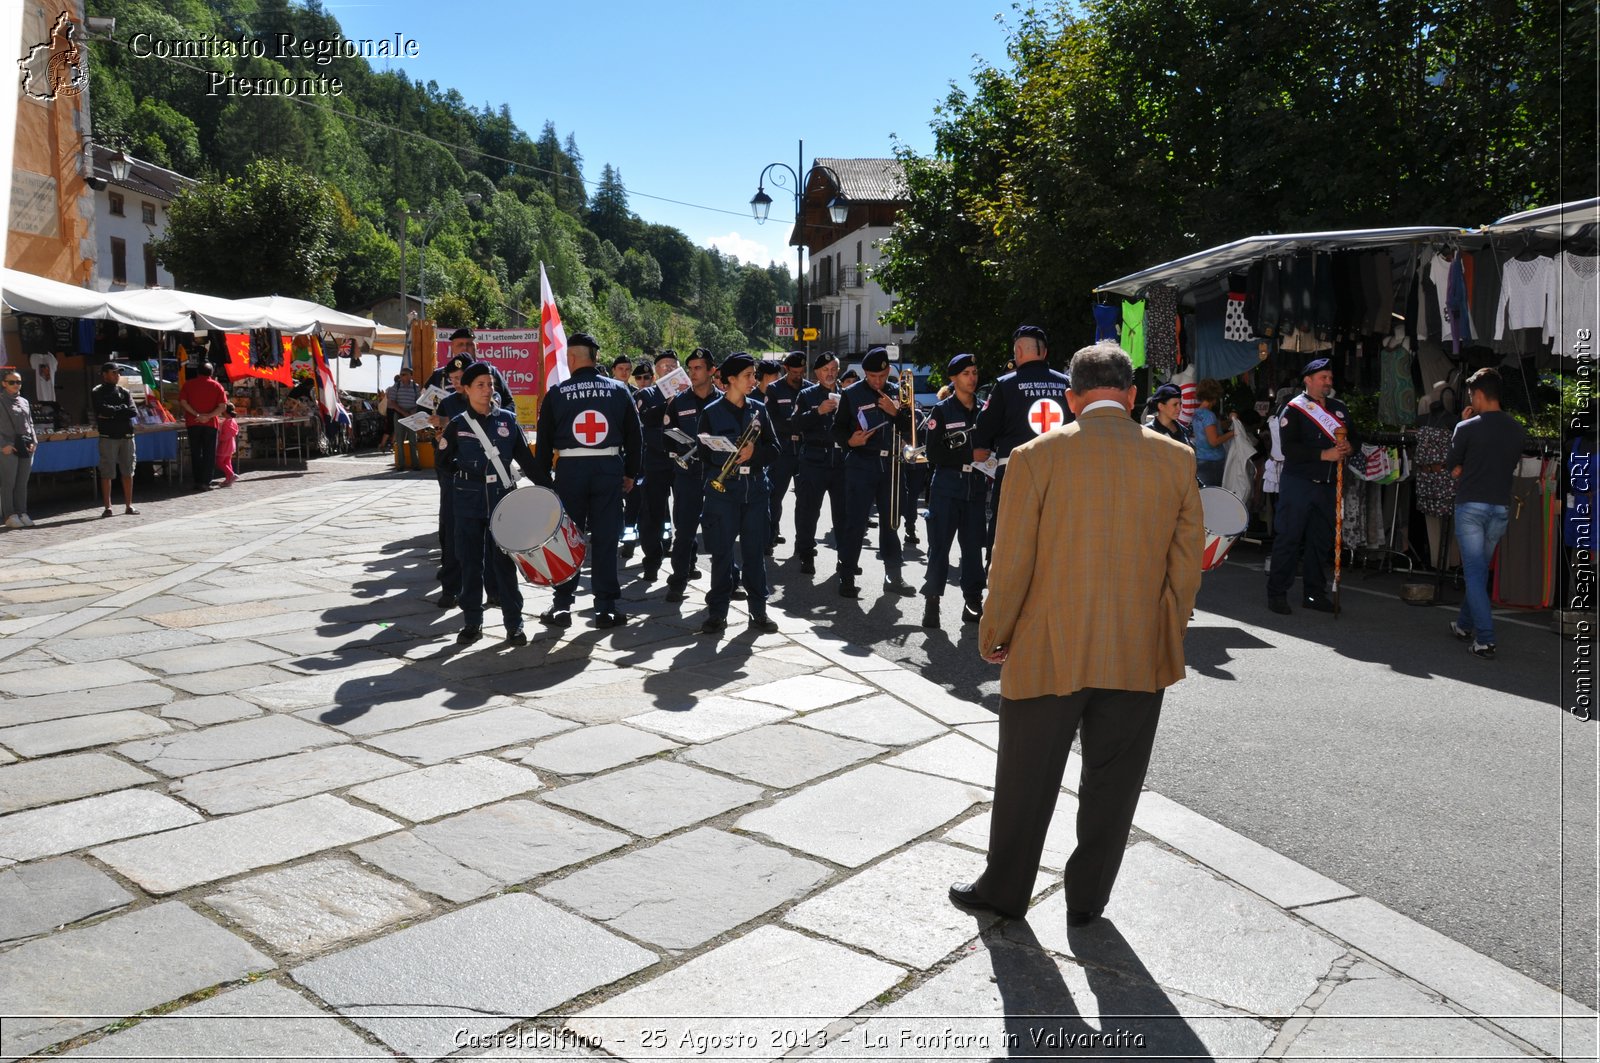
x,y
1001,462
590,452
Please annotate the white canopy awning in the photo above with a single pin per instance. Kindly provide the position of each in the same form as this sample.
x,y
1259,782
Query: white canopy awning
x,y
202,312
321,318
1561,220
1226,258
30,294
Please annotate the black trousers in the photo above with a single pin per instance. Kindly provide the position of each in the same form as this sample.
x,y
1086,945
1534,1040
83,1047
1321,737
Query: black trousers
x,y
1118,731
203,453
657,497
817,476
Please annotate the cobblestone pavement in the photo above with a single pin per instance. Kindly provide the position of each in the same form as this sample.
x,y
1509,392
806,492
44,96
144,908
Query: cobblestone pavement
x,y
247,778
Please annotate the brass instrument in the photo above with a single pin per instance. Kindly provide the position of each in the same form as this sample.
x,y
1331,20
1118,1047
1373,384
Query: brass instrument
x,y
911,454
751,433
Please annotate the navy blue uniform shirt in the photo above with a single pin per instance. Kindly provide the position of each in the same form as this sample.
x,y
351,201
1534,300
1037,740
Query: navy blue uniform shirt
x,y
1024,404
502,390
782,404
858,408
588,411
722,418
463,458
816,429
683,412
1303,442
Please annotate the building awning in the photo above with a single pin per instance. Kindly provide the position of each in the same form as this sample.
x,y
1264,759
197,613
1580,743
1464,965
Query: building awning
x,y
30,294
1227,258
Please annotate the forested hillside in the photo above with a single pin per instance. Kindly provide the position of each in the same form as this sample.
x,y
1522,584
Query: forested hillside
x,y
305,197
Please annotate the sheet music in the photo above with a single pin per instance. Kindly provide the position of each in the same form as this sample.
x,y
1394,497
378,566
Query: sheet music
x,y
429,399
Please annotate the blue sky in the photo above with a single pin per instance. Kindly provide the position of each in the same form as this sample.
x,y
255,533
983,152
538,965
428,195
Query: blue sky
x,y
690,102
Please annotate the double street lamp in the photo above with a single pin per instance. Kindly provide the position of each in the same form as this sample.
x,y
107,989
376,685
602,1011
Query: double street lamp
x,y
761,207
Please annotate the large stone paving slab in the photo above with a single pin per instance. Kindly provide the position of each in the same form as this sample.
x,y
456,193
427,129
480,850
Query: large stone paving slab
x,y
38,898
311,907
1059,840
134,644
81,732
401,709
478,852
219,848
1009,1000
228,744
272,782
263,1021
226,680
655,798
595,749
882,720
782,755
802,693
77,824
767,988
709,718
446,788
862,814
69,677
477,970
65,778
473,733
898,909
61,706
1374,1015
954,757
687,890
1169,920
111,970
205,711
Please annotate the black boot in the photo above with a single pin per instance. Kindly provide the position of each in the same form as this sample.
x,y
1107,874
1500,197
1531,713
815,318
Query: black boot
x,y
930,612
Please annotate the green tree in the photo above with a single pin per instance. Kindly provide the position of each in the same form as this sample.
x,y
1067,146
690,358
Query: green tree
x,y
270,232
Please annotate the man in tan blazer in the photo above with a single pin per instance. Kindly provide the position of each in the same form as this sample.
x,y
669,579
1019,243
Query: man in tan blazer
x,y
1095,568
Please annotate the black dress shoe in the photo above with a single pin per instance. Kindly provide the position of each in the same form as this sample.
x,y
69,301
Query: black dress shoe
x,y
517,638
447,601
712,626
779,540
848,589
965,895
930,613
1279,605
651,572
696,574
469,635
676,591
610,618
556,617
896,585
971,613
1076,918
808,566
491,603
739,594
1318,605
764,623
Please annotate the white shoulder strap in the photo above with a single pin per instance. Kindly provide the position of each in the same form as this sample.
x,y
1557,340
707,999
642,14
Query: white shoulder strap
x,y
488,448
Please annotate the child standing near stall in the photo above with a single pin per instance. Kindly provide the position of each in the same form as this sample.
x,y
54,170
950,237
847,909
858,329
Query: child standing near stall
x,y
227,443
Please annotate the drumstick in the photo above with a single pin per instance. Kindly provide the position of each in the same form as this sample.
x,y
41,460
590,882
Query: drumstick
x,y
1338,523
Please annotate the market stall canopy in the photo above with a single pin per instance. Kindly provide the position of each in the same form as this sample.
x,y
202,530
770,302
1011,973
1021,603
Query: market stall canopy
x,y
202,312
322,318
1564,220
29,294
1202,265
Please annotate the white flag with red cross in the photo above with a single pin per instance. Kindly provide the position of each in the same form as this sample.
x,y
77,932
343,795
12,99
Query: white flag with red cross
x,y
552,336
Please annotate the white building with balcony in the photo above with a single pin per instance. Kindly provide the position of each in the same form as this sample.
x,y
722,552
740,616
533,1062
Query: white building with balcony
x,y
130,213
845,301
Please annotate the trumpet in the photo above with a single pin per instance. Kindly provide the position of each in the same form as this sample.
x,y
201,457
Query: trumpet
x,y
752,432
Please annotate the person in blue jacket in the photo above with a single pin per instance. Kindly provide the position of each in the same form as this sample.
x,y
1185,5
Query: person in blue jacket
x,y
739,511
589,420
478,477
958,498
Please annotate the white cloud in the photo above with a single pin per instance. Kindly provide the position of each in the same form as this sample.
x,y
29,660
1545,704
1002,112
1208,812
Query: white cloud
x,y
752,251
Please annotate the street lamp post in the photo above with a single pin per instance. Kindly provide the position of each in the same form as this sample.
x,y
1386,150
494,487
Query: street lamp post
x,y
428,218
761,206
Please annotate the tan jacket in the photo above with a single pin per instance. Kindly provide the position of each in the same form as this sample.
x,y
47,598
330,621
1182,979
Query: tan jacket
x,y
1096,559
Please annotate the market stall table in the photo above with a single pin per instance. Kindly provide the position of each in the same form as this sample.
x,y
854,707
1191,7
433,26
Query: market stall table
x,y
151,443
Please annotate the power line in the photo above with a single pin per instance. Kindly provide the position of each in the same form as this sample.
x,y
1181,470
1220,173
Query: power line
x,y
520,167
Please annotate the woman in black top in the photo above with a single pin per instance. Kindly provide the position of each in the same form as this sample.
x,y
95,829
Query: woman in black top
x,y
1166,403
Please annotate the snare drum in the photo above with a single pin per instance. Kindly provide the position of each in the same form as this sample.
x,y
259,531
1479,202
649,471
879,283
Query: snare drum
x,y
531,525
1225,518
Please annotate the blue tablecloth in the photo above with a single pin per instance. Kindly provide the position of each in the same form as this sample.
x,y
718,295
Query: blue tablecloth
x,y
63,454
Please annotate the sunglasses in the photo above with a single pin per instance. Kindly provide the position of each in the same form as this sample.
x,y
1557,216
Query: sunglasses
x,y
17,382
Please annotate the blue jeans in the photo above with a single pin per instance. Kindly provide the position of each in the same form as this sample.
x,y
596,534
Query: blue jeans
x,y
1479,527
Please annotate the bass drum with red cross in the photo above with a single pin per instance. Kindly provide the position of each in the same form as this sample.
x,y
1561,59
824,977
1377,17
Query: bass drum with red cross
x,y
1044,415
531,525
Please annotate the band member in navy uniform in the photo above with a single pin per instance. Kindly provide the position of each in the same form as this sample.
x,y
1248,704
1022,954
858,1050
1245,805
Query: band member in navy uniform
x,y
781,400
1308,425
688,488
464,351
658,467
740,510
622,369
449,378
958,498
479,477
866,422
914,477
821,465
590,421
1025,403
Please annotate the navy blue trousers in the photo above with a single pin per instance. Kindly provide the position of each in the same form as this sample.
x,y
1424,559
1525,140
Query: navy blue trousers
x,y
480,562
742,515
591,492
956,516
817,477
867,482
1302,536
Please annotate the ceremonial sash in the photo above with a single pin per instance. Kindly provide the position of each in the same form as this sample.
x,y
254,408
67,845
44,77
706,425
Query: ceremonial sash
x,y
1319,416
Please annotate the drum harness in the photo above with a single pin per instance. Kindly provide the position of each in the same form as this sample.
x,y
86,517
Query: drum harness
x,y
490,451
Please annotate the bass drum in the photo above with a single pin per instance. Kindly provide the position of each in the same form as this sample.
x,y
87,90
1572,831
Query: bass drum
x,y
531,525
1225,518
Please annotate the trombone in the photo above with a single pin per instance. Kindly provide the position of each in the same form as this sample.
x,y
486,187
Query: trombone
x,y
752,432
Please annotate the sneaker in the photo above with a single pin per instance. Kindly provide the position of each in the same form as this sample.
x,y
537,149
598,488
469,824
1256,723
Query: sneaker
x,y
14,523
1461,634
517,638
27,521
469,635
1279,605
1483,649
